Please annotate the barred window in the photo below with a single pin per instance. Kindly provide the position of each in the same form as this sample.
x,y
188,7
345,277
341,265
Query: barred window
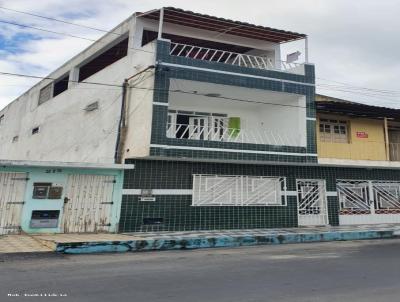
x,y
238,190
335,131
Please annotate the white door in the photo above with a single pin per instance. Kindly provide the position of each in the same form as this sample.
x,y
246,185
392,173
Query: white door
x,y
217,128
88,203
12,195
171,125
311,202
198,128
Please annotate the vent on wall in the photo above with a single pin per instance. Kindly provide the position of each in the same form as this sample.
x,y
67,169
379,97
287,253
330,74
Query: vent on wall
x,y
45,93
92,106
35,130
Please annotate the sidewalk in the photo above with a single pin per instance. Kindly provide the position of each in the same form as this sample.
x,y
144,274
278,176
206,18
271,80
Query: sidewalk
x,y
153,241
134,242
10,244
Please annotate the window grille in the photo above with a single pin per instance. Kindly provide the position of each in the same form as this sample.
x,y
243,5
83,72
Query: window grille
x,y
215,190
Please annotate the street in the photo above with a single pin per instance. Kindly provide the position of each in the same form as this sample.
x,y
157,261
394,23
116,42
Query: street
x,y
367,271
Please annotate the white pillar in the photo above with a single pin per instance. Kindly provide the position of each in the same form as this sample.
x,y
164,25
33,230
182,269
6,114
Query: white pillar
x,y
306,49
371,197
160,23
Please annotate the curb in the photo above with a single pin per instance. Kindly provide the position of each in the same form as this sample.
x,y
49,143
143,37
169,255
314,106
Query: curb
x,y
187,243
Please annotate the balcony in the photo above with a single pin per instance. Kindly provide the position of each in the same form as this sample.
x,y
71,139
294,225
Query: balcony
x,y
200,128
263,61
230,114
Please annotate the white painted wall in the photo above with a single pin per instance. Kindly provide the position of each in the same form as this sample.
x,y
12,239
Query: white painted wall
x,y
140,106
67,132
288,121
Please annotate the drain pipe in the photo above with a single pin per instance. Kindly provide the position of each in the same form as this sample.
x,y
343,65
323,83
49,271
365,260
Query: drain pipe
x,y
122,128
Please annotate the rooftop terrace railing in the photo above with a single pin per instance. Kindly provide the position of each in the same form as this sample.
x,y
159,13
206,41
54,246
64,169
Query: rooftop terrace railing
x,y
232,58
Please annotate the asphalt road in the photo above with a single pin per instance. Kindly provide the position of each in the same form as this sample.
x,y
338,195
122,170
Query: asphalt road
x,y
367,271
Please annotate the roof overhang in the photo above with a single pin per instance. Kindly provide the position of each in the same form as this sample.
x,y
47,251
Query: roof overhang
x,y
221,25
51,164
344,107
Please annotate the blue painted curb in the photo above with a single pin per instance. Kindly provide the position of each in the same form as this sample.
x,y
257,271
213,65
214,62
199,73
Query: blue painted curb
x,y
182,243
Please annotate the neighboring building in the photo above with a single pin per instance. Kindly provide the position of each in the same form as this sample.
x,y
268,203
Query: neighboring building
x,y
354,133
222,132
43,197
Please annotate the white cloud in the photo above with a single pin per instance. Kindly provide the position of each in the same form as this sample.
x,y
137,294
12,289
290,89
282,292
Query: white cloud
x,y
350,41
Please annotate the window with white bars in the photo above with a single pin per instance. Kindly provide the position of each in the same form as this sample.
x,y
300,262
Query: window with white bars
x,y
238,190
335,131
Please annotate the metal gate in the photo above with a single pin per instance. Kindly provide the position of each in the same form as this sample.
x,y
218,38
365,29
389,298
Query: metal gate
x,y
368,201
12,195
88,203
311,202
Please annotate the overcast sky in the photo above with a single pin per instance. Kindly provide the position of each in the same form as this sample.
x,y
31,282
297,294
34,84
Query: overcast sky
x,y
353,44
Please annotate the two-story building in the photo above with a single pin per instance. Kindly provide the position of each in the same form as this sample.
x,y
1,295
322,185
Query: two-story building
x,y
222,132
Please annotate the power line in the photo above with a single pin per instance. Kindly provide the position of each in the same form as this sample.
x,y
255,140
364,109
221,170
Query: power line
x,y
66,34
58,20
364,94
46,30
347,85
159,89
54,79
191,92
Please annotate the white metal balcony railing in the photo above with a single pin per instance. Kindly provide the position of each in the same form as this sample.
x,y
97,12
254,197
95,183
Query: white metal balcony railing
x,y
228,57
231,135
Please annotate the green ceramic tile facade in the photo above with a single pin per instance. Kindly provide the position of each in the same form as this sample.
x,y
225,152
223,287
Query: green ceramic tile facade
x,y
178,214
299,85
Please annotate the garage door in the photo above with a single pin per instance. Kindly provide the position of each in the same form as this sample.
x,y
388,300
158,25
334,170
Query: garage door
x,y
88,203
12,195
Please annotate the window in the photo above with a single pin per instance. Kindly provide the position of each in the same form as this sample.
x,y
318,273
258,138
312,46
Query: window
x,y
238,190
60,85
103,60
35,130
53,89
45,93
197,125
1,119
335,131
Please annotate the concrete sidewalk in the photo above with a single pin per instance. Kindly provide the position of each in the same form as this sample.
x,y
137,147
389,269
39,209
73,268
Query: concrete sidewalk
x,y
11,244
133,242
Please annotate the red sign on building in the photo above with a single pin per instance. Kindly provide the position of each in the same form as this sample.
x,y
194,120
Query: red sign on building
x,y
362,134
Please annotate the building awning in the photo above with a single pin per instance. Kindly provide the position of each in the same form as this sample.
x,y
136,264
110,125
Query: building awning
x,y
223,26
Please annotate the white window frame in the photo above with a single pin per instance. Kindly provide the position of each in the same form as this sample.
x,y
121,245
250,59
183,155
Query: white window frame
x,y
333,130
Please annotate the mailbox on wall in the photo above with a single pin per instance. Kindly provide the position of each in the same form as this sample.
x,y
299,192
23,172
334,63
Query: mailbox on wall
x,y
46,190
44,219
40,190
